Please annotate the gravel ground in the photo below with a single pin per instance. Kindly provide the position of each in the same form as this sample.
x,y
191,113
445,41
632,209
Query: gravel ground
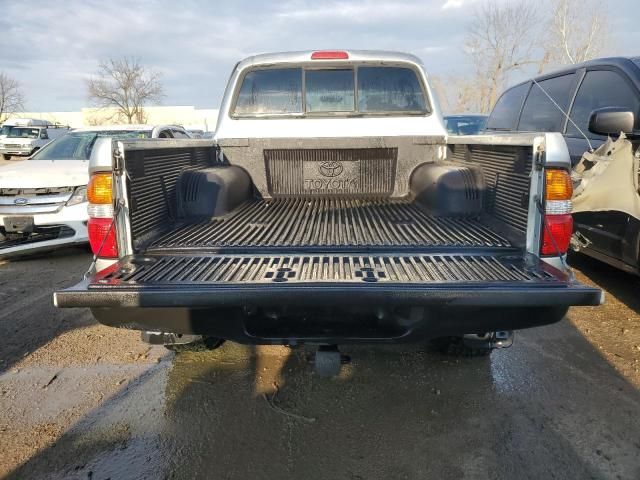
x,y
79,400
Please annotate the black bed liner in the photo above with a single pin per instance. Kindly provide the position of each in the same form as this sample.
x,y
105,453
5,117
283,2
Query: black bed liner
x,y
299,222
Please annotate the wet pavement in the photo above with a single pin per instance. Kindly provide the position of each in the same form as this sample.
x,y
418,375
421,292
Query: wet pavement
x,y
79,400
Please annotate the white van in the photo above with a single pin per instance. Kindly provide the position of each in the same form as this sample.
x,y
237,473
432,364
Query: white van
x,y
21,122
22,137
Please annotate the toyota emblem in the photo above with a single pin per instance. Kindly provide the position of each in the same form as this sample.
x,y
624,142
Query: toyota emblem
x,y
330,169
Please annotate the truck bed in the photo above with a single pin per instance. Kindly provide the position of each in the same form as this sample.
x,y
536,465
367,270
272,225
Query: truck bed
x,y
330,222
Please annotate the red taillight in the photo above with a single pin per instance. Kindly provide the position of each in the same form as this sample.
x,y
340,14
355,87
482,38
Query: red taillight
x,y
102,237
557,225
560,227
330,55
101,227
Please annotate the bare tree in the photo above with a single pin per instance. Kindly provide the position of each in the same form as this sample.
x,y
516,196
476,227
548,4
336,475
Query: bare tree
x,y
126,85
580,31
456,93
500,41
443,91
506,37
11,98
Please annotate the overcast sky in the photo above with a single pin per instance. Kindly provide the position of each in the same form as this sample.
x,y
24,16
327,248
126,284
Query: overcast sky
x,y
52,46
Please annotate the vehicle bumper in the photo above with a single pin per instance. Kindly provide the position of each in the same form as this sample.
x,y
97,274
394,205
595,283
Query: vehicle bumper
x,y
73,227
346,324
328,314
16,152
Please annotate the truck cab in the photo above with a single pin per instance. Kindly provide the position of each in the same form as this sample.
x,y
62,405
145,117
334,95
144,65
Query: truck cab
x,y
331,208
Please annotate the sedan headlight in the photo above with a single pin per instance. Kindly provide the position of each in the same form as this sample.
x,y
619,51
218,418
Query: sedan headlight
x,y
79,196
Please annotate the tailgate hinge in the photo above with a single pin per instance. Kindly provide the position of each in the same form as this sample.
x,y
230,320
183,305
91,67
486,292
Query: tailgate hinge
x,y
118,166
538,159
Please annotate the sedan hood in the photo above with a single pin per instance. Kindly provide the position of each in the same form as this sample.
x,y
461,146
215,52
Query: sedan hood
x,y
45,174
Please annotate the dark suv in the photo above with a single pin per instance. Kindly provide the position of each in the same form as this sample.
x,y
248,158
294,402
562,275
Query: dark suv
x,y
599,96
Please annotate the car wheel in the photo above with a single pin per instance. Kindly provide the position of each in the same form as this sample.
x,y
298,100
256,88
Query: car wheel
x,y
6,157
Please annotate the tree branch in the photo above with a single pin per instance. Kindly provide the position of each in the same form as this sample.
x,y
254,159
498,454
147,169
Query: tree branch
x,y
11,97
126,85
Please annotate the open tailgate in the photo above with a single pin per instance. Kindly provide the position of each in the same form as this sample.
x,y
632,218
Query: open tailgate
x,y
206,280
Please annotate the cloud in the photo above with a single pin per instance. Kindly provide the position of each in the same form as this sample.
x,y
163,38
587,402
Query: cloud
x,y
195,44
452,4
359,11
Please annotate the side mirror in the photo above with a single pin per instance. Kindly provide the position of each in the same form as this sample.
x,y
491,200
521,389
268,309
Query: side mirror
x,y
611,121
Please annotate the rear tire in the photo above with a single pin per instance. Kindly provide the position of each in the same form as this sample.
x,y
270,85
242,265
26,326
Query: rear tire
x,y
455,346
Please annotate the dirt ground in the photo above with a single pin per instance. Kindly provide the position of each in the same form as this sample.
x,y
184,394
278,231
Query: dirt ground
x,y
82,401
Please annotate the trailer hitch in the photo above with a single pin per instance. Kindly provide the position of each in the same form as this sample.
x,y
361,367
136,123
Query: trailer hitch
x,y
489,340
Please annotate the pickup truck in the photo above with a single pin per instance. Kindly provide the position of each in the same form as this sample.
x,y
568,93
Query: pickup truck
x,y
330,209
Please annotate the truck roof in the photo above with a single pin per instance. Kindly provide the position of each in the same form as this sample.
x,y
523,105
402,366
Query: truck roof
x,y
305,56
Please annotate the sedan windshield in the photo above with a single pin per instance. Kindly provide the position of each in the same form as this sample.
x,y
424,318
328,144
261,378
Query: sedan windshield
x,y
24,132
78,145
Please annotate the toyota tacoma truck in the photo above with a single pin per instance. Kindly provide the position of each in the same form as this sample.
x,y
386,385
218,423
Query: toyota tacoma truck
x,y
330,208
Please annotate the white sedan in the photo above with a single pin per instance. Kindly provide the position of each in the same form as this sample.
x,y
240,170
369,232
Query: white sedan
x,y
43,201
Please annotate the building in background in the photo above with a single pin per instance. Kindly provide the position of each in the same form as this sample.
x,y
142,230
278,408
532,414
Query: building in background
x,y
187,116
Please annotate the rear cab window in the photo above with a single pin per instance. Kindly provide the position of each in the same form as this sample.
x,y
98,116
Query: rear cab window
x,y
385,89
311,91
329,91
504,115
270,91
